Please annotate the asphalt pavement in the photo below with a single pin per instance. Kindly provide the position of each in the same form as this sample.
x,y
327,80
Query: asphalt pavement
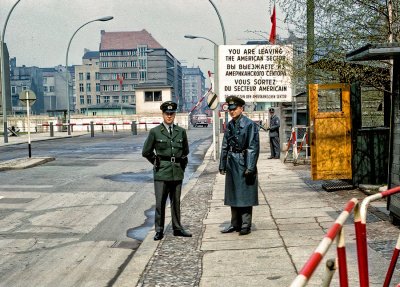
x,y
293,216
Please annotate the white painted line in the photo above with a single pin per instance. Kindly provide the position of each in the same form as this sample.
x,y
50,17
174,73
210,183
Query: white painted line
x,y
4,186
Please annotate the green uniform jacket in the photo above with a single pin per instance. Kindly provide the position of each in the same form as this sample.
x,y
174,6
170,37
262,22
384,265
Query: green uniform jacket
x,y
160,142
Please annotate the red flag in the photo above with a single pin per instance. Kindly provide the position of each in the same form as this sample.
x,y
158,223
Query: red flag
x,y
272,36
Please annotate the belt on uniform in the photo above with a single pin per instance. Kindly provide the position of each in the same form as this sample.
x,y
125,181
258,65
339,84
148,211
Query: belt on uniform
x,y
170,158
235,150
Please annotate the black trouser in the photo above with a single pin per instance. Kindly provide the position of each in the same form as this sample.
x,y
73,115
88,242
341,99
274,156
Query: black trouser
x,y
241,217
162,189
274,144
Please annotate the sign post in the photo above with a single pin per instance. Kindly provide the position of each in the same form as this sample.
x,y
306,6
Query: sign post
x,y
28,97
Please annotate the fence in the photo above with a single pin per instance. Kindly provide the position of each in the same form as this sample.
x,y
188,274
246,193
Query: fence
x,y
294,148
336,231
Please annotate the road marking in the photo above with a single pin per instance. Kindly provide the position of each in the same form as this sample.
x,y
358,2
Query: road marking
x,y
5,186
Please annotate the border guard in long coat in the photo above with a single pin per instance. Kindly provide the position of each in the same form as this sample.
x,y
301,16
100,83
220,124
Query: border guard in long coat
x,y
238,161
169,161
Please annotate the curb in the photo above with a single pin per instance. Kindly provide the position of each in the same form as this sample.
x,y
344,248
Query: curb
x,y
22,163
130,275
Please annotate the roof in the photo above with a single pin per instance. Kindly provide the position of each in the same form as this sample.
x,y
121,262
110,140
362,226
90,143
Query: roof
x,y
91,55
127,40
107,106
146,85
377,51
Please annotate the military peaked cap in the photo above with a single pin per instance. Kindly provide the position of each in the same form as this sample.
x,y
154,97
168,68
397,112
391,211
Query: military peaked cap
x,y
169,107
233,102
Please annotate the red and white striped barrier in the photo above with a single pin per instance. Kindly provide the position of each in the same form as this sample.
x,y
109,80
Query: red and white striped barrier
x,y
360,221
310,266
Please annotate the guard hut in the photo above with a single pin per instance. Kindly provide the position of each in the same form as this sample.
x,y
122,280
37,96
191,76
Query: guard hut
x,y
388,51
369,106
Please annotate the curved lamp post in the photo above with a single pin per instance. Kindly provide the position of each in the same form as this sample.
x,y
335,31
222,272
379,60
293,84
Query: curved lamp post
x,y
66,66
220,20
3,80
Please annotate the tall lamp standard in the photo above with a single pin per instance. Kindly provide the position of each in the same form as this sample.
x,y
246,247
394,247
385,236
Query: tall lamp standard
x,y
3,79
66,66
215,113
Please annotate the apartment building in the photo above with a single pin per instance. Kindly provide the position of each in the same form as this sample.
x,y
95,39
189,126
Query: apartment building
x,y
193,87
87,82
130,59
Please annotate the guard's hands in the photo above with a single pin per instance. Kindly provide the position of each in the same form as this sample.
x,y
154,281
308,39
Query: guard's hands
x,y
222,172
248,172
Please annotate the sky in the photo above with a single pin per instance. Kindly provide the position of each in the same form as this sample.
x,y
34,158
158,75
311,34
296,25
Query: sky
x,y
38,31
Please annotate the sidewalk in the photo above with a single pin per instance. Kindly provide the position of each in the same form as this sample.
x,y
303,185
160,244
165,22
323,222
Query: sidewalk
x,y
290,221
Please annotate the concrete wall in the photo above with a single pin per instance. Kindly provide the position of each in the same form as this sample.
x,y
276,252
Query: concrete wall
x,y
81,121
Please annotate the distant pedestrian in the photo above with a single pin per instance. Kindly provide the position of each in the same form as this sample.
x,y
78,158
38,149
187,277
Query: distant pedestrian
x,y
239,155
166,147
273,128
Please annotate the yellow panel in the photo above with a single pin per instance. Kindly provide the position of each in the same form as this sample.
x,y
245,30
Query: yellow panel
x,y
330,137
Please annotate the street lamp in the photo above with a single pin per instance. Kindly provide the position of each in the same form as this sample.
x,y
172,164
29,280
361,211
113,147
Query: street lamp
x,y
3,79
215,88
205,58
66,66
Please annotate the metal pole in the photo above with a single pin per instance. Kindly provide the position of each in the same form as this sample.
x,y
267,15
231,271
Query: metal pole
x,y
220,20
215,112
29,124
3,79
66,66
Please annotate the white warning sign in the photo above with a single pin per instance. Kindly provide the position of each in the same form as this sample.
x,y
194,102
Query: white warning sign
x,y
255,73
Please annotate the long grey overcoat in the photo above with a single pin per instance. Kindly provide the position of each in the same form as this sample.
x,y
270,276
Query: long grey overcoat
x,y
240,190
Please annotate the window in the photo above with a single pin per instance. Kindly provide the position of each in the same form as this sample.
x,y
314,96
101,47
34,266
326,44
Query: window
x,y
124,64
45,89
98,99
124,76
82,99
115,88
51,88
115,99
80,76
44,80
97,75
114,64
142,51
88,89
81,87
142,63
153,96
106,88
97,87
114,76
142,75
134,63
83,110
89,99
133,52
104,64
87,76
125,87
106,99
125,99
134,75
106,76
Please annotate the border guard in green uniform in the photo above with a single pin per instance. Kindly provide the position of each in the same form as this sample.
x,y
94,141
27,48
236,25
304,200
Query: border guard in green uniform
x,y
166,147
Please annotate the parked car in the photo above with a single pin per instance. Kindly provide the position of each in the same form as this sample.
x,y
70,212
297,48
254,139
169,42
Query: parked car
x,y
200,120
